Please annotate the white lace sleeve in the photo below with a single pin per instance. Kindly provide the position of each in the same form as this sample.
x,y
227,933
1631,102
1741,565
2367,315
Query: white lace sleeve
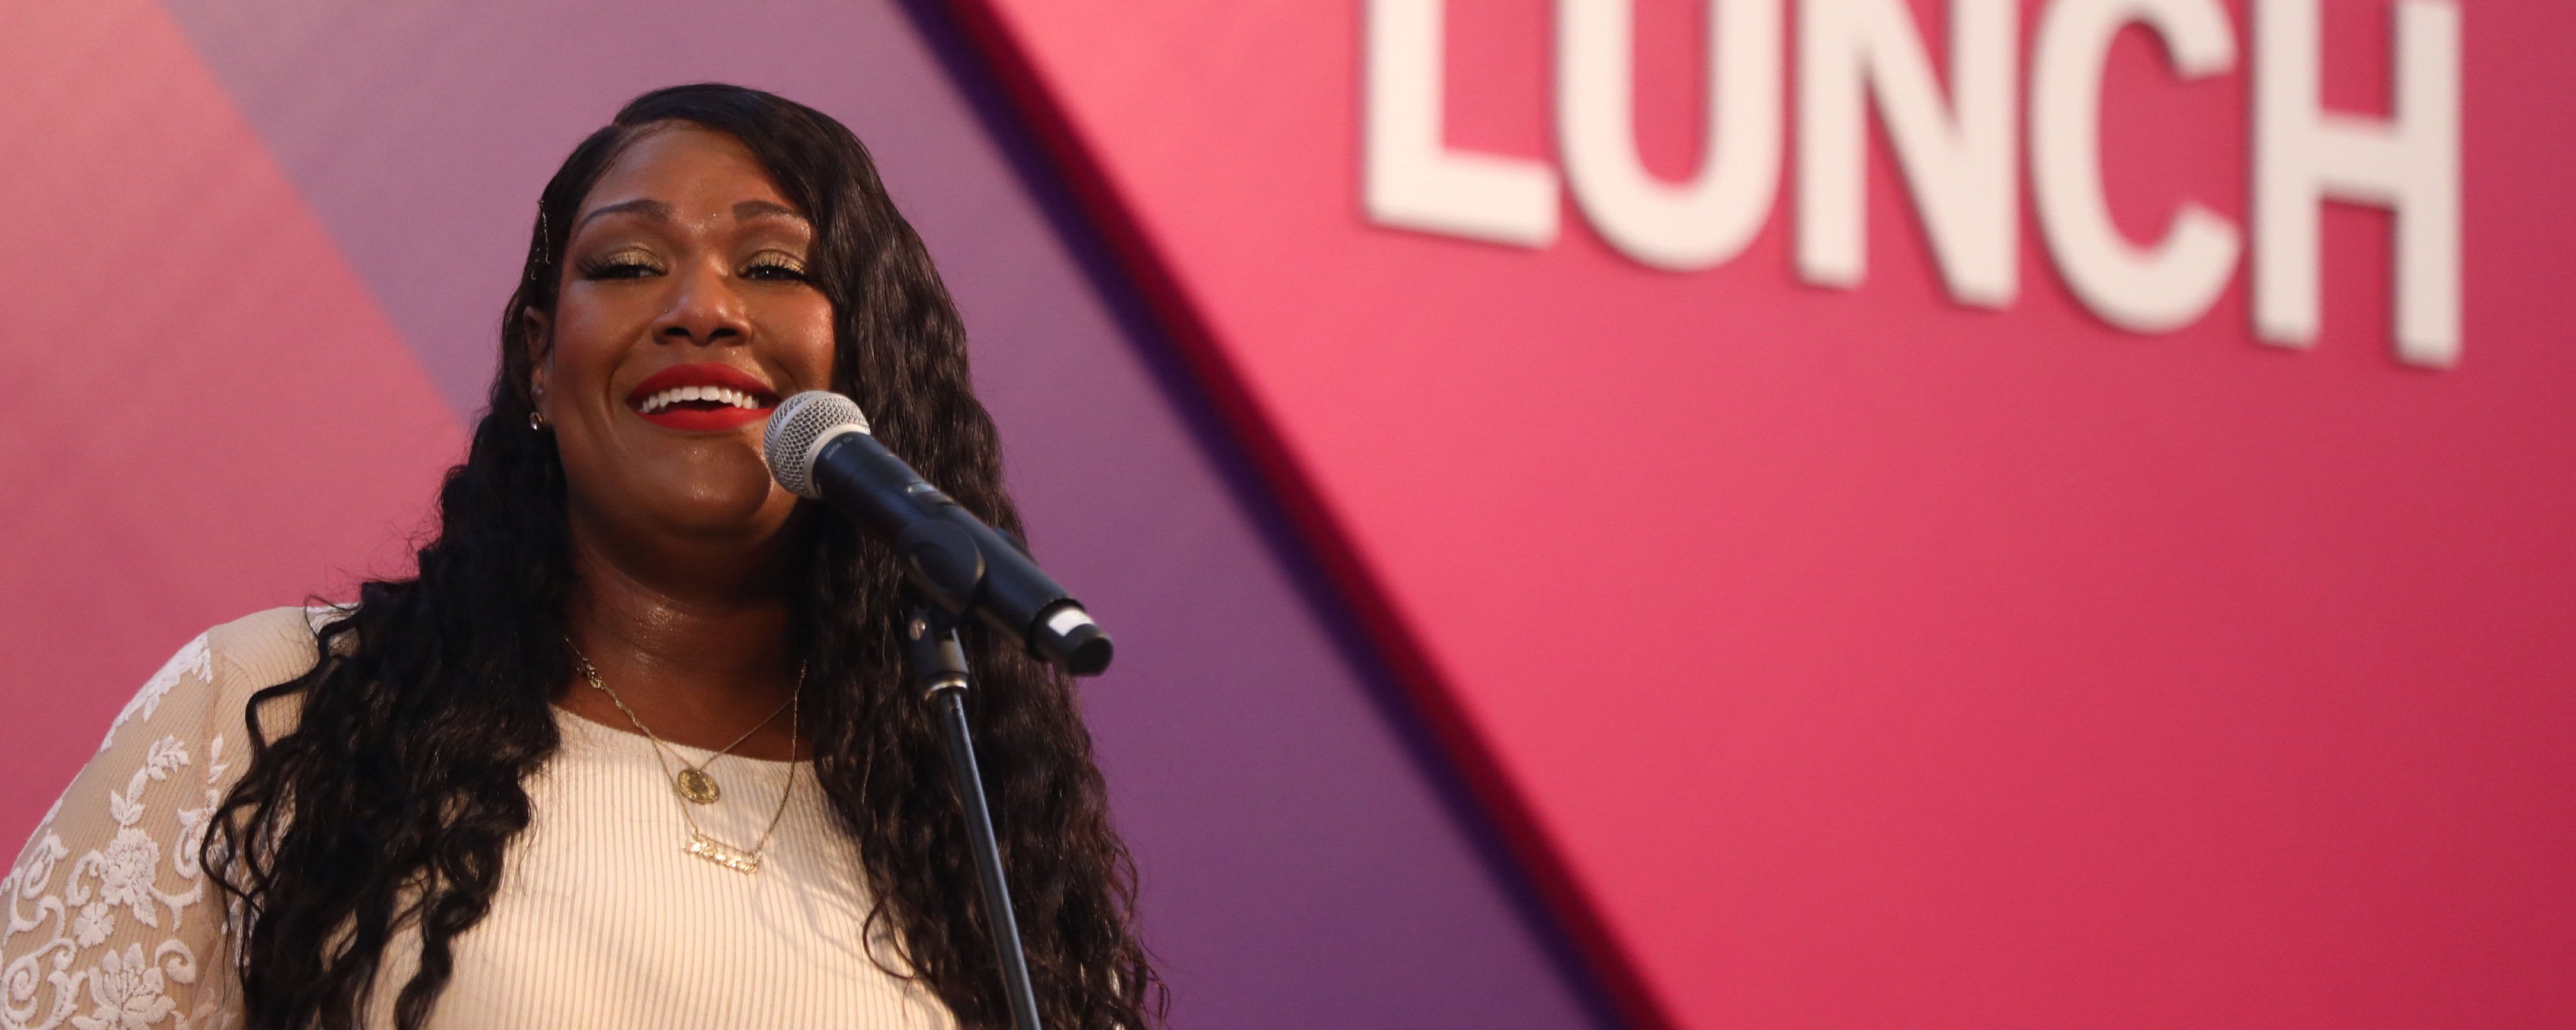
x,y
109,924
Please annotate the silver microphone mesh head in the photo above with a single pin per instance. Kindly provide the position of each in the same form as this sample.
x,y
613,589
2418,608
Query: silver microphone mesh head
x,y
799,423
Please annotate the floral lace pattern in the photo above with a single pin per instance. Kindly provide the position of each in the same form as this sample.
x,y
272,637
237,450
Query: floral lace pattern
x,y
195,660
115,937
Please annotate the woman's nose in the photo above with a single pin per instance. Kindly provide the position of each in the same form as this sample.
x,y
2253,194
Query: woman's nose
x,y
705,310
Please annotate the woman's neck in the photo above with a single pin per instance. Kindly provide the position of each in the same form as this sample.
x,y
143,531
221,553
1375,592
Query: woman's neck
x,y
696,647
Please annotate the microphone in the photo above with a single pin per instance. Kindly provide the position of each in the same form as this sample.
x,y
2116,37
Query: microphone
x,y
819,447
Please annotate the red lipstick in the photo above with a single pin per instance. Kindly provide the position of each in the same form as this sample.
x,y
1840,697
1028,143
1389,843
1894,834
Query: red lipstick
x,y
702,397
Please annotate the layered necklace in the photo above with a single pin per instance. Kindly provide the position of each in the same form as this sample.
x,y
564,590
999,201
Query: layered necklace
x,y
693,783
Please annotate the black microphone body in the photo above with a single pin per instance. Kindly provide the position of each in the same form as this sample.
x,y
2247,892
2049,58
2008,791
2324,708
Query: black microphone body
x,y
819,441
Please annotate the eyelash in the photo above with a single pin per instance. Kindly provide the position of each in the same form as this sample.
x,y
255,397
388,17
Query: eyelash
x,y
785,270
620,266
632,267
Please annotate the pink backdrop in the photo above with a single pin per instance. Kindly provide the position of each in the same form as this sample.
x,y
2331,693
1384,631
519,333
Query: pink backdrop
x,y
1858,658
1829,656
163,268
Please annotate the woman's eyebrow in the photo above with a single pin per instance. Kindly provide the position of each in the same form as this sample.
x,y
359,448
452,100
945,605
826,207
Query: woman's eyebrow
x,y
653,209
750,209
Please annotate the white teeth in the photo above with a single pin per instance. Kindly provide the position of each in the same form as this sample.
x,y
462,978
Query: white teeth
x,y
682,394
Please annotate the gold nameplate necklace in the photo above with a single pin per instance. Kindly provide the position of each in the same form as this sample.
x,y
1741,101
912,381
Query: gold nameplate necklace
x,y
695,786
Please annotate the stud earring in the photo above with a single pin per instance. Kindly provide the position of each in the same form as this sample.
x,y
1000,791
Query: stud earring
x,y
536,421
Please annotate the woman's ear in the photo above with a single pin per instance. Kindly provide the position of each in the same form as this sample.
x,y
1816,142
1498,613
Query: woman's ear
x,y
538,331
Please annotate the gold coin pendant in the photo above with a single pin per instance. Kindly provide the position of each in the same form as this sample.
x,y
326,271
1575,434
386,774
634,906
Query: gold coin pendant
x,y
697,786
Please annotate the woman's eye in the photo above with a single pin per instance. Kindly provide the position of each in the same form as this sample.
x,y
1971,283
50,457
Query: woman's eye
x,y
619,266
775,269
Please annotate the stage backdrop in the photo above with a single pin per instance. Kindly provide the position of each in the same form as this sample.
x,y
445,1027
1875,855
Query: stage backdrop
x,y
1745,513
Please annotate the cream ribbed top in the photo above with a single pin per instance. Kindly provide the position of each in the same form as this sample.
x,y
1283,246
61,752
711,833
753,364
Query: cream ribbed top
x,y
600,919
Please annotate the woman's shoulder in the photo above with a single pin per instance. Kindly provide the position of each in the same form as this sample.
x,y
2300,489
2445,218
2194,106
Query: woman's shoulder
x,y
215,674
267,648
108,892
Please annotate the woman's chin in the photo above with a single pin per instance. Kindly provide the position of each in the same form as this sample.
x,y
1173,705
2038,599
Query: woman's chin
x,y
744,516
731,510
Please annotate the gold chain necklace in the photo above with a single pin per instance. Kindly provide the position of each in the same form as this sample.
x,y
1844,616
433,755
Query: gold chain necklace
x,y
700,843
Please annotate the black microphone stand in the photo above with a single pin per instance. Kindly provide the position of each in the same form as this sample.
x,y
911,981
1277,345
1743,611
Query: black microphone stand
x,y
938,664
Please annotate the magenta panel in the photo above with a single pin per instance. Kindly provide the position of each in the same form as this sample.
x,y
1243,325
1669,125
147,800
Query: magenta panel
x,y
1853,656
214,417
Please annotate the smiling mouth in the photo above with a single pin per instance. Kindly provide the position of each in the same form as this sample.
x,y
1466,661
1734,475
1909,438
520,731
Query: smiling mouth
x,y
702,397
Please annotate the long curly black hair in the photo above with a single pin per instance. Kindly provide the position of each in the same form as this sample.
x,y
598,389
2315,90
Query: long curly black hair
x,y
392,801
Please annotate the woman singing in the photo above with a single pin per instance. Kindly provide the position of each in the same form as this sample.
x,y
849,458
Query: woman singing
x,y
633,748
